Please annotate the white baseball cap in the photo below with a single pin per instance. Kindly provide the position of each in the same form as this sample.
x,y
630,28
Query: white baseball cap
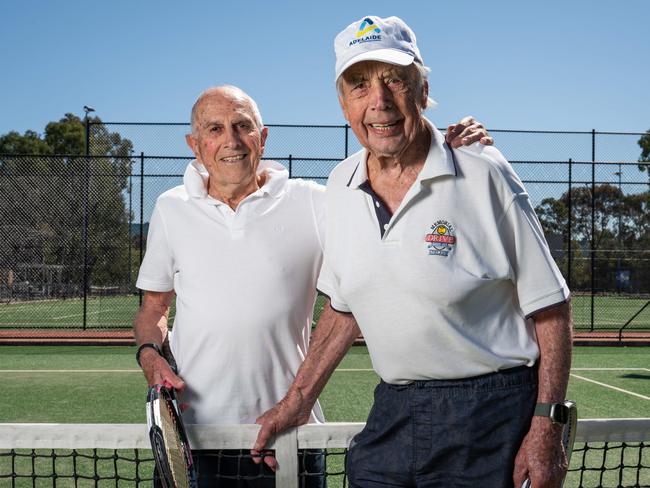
x,y
372,38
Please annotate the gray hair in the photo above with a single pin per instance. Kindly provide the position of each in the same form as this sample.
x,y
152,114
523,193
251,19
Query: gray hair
x,y
423,76
237,93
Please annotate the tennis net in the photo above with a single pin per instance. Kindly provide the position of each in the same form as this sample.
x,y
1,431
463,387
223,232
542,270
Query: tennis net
x,y
608,453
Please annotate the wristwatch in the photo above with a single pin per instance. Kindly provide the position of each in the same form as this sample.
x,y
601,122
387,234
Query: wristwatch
x,y
557,412
152,345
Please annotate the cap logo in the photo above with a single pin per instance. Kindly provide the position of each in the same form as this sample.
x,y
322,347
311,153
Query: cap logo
x,y
367,32
366,26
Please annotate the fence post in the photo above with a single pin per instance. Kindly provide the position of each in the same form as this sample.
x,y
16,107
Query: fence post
x,y
141,217
569,224
290,165
346,139
86,196
593,224
130,221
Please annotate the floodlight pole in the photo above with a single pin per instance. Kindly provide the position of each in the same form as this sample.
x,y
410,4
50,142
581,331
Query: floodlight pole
x,y
87,110
86,193
130,218
593,224
618,259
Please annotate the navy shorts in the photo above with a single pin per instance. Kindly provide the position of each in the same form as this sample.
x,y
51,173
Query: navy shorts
x,y
445,433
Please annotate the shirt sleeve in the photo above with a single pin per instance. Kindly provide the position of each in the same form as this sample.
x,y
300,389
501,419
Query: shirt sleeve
x,y
157,268
537,278
319,206
328,280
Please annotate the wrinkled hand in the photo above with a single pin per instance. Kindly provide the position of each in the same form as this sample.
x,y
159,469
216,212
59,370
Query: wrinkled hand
x,y
157,371
541,457
467,132
291,411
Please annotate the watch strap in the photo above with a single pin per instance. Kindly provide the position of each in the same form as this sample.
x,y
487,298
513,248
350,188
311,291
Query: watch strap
x,y
557,412
543,409
144,346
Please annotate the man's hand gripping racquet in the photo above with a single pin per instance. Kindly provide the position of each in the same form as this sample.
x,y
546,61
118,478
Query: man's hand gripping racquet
x,y
171,448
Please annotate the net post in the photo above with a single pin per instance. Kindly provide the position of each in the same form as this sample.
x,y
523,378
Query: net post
x,y
286,454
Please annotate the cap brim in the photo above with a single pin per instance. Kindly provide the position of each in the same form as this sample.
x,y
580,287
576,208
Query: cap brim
x,y
390,56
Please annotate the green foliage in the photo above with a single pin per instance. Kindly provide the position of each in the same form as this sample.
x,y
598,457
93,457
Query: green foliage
x,y
624,218
29,143
47,199
621,228
67,136
644,144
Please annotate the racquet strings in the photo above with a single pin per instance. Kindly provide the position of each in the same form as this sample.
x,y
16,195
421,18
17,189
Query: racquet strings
x,y
174,448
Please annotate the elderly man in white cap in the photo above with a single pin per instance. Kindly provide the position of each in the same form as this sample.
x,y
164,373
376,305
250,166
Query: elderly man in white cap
x,y
436,255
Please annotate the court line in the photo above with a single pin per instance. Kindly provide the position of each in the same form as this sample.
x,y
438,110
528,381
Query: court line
x,y
610,369
70,371
572,369
80,314
605,385
15,308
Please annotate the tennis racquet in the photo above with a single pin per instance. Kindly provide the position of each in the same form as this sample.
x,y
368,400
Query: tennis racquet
x,y
171,449
568,435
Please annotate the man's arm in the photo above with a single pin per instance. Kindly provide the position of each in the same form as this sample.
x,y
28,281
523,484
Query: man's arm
x,y
150,326
541,456
331,339
467,132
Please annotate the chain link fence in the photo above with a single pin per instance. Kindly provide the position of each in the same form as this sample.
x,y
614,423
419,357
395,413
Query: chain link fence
x,y
73,228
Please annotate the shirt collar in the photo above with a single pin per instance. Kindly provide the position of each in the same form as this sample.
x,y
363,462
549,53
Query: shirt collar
x,y
440,161
196,178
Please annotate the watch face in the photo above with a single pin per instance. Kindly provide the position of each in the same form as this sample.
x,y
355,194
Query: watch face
x,y
559,413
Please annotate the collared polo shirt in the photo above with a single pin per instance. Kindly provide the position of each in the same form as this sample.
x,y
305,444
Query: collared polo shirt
x,y
245,284
443,288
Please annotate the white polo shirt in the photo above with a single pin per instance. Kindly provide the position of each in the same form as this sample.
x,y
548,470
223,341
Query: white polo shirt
x,y
245,284
445,292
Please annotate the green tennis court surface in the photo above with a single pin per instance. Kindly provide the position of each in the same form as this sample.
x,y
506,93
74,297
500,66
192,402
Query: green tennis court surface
x,y
103,385
82,384
610,312
113,311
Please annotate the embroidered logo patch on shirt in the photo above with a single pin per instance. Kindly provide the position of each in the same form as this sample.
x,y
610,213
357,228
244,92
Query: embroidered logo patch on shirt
x,y
441,240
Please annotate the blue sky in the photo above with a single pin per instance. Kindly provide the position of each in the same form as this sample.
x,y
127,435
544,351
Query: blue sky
x,y
565,65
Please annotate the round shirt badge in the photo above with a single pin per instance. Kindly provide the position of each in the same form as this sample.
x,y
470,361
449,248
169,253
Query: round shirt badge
x,y
442,239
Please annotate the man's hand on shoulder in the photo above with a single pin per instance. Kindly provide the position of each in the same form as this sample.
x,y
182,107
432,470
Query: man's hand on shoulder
x,y
541,457
467,132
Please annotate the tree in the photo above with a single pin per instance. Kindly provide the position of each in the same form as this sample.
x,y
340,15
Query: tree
x,y
644,144
621,228
49,195
29,143
67,137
